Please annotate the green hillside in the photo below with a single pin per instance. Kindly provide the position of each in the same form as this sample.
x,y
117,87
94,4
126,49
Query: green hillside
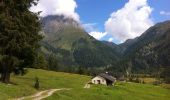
x,y
72,46
23,86
150,51
146,54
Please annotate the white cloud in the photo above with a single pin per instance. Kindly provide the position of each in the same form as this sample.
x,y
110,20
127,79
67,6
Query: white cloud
x,y
165,13
98,35
92,30
110,39
130,21
89,27
57,7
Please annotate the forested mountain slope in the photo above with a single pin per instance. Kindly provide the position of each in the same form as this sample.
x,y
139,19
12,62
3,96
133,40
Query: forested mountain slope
x,y
151,50
67,41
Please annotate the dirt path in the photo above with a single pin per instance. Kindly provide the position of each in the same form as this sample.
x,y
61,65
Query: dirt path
x,y
40,95
44,94
87,86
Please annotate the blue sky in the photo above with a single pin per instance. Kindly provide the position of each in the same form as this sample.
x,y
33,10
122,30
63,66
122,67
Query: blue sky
x,y
158,6
98,11
110,20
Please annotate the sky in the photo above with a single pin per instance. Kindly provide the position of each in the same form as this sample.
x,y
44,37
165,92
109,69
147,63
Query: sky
x,y
109,20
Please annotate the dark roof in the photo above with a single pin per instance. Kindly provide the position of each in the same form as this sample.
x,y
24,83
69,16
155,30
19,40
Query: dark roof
x,y
107,76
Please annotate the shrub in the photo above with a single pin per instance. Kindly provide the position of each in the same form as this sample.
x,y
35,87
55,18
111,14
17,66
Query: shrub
x,y
37,84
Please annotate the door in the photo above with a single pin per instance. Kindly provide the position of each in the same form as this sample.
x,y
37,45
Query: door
x,y
98,81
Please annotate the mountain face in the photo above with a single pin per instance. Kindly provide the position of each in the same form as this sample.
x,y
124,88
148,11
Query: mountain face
x,y
69,45
119,49
72,46
151,50
146,53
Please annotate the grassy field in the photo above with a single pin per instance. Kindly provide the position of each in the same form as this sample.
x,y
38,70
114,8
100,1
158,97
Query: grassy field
x,y
49,80
125,91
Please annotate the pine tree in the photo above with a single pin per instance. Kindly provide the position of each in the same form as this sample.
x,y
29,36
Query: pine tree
x,y
19,38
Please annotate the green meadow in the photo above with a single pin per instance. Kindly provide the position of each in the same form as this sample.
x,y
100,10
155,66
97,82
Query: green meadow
x,y
124,91
23,86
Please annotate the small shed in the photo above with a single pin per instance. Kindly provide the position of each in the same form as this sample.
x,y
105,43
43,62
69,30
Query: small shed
x,y
104,79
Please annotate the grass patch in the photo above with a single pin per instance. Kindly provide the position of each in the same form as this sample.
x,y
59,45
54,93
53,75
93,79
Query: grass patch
x,y
54,80
148,80
125,91
48,80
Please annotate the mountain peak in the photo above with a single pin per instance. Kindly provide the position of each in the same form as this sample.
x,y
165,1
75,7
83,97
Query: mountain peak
x,y
59,18
54,23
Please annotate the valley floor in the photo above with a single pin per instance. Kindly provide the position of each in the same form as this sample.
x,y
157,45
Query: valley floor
x,y
55,80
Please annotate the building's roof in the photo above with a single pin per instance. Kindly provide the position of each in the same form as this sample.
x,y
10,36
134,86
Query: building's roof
x,y
107,76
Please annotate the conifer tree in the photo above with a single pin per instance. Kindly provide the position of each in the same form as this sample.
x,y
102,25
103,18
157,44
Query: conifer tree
x,y
19,38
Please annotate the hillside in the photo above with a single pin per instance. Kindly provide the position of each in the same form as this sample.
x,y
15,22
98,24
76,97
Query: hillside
x,y
68,44
119,48
23,86
72,46
150,51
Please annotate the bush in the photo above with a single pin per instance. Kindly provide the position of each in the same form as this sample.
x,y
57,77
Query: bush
x,y
37,84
